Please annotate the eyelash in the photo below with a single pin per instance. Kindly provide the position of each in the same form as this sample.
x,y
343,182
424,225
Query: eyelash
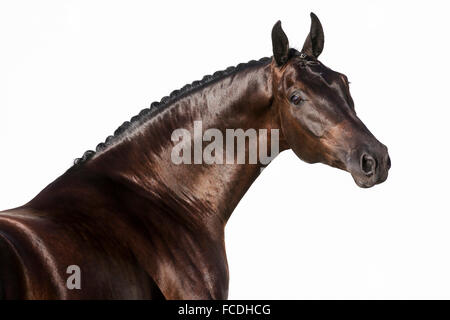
x,y
299,99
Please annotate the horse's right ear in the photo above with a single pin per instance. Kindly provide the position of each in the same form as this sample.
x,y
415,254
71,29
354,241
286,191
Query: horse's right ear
x,y
280,44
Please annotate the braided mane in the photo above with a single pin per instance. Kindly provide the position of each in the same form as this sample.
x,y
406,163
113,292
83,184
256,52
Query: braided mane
x,y
157,107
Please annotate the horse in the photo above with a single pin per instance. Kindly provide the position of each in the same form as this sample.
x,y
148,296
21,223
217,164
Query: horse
x,y
136,225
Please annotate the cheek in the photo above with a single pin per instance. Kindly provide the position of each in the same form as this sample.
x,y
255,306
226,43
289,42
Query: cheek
x,y
310,119
305,145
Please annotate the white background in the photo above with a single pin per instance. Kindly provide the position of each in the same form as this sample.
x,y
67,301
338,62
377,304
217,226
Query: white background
x,y
72,71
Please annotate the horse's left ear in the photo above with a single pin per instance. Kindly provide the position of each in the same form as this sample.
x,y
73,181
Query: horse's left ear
x,y
314,42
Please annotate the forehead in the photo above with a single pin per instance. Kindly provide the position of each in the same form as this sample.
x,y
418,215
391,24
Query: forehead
x,y
313,73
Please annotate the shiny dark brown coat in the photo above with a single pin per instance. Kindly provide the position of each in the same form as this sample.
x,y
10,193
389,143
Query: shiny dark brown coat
x,y
140,226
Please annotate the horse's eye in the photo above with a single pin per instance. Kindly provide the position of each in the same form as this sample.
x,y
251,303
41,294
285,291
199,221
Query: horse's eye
x,y
296,99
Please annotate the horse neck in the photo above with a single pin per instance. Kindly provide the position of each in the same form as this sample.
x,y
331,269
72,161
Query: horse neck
x,y
198,192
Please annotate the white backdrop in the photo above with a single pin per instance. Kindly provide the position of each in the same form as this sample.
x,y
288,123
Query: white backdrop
x,y
72,71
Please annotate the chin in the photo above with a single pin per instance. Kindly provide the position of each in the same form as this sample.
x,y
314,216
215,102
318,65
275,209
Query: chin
x,y
368,182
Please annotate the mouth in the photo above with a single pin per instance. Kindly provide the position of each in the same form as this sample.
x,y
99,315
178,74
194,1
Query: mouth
x,y
365,182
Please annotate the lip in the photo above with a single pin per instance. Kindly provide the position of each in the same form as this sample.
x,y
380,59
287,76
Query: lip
x,y
363,184
368,182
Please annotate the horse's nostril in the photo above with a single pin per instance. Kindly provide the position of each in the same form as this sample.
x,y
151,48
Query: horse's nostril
x,y
368,164
388,162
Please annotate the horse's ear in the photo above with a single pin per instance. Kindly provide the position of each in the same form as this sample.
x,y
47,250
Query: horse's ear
x,y
314,42
280,44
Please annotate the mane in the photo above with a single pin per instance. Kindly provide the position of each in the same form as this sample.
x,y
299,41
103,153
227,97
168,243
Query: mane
x,y
157,107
